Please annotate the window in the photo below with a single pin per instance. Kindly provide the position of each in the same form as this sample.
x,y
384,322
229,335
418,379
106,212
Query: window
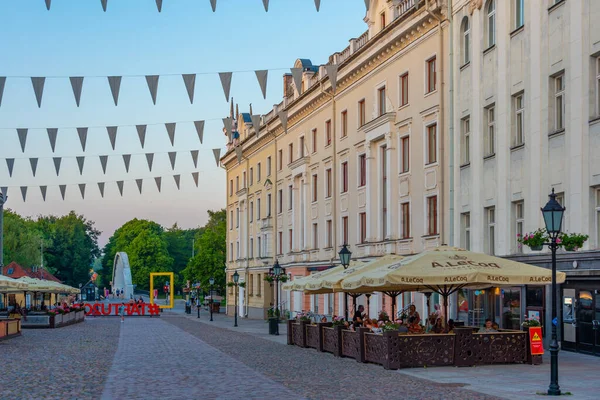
x,y
465,221
315,233
280,243
344,177
431,144
268,205
361,113
269,166
490,132
405,220
382,19
490,232
328,132
291,239
466,34
362,228
597,212
251,247
251,211
404,154
329,233
431,76
258,172
301,146
280,159
237,250
237,217
244,180
597,61
328,183
404,89
518,212
519,122
490,22
345,230
432,216
290,153
237,183
559,103
259,248
381,100
258,208
230,251
231,188
314,140
560,198
259,283
465,141
290,197
280,201
251,176
362,166
344,123
231,220
519,13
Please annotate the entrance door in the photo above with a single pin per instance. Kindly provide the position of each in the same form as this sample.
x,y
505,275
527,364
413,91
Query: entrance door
x,y
588,321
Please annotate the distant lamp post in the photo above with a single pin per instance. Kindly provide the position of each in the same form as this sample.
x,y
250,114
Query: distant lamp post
x,y
211,281
345,255
198,300
553,215
277,273
236,279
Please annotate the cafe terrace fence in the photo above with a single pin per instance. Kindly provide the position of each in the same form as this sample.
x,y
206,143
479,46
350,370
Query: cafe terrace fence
x,y
9,328
464,347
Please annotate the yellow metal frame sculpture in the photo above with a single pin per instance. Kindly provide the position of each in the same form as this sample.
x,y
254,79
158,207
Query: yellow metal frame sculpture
x,y
171,283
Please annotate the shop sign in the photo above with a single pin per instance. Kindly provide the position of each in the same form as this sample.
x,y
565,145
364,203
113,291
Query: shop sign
x,y
99,309
535,340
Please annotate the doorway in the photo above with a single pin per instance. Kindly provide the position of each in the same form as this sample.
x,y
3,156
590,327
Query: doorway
x,y
581,317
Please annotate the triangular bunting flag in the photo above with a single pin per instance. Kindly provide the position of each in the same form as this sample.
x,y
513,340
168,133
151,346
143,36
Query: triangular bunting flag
x,y
115,85
177,180
141,130
120,186
227,123
63,190
238,153
57,161
195,157
126,160
139,184
190,82
112,135
266,4
33,162
195,176
2,83
172,157
101,188
283,117
52,134
48,8
261,76
104,4
158,180
318,4
159,5
150,159
213,4
4,190
82,132
22,133
199,129
217,154
256,123
80,162
152,81
24,192
38,88
43,190
10,163
332,71
367,4
297,76
103,162
77,85
82,190
226,83
171,131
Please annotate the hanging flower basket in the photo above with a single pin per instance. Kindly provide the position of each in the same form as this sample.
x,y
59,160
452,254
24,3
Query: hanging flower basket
x,y
572,241
536,247
534,240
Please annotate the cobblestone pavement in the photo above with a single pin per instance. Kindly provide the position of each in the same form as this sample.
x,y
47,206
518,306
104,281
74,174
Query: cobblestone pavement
x,y
65,363
317,375
157,360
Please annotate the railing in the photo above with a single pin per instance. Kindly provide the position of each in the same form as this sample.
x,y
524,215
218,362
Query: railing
x,y
343,55
361,40
405,6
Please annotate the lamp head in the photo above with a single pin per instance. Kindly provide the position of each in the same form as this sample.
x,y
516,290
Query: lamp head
x,y
236,277
553,215
345,255
277,268
211,280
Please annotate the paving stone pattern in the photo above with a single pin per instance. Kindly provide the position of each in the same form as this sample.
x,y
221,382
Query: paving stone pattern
x,y
317,375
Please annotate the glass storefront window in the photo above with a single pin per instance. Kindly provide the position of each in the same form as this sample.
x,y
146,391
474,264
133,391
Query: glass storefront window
x,y
511,308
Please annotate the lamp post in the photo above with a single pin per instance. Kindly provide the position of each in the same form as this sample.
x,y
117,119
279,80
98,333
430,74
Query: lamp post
x,y
212,282
345,255
553,215
198,301
236,278
277,273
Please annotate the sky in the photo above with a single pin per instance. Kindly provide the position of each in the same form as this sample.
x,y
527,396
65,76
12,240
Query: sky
x,y
132,39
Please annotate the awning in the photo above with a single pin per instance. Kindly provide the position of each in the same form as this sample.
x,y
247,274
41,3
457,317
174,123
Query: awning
x,y
7,283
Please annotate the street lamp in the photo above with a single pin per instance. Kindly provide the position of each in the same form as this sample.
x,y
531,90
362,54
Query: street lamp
x,y
553,214
277,273
198,300
236,278
212,282
345,255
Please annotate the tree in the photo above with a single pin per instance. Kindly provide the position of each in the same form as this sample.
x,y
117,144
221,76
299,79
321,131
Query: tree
x,y
22,241
180,243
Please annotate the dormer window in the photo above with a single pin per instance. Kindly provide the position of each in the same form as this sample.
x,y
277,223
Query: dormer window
x,y
382,18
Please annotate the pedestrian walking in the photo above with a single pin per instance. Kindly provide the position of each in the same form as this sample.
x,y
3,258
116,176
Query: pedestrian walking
x,y
122,312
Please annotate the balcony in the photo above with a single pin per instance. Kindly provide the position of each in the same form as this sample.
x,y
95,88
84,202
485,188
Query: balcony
x,y
266,224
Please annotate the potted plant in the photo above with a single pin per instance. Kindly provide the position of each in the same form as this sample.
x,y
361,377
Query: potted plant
x,y
572,241
338,321
535,240
529,322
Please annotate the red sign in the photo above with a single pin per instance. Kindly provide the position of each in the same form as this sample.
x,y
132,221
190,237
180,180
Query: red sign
x,y
535,340
100,309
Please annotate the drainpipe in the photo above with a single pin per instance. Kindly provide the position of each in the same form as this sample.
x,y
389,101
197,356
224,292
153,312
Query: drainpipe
x,y
246,290
451,124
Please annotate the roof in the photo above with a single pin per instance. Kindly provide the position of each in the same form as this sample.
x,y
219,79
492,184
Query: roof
x,y
15,271
246,118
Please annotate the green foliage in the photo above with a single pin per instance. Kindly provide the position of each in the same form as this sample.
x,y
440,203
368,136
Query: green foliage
x,y
21,240
180,243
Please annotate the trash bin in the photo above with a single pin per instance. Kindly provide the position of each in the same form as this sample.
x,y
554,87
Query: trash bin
x,y
273,326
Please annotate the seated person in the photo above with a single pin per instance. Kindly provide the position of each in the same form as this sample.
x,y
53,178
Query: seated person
x,y
449,327
413,325
359,316
324,319
438,327
488,327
